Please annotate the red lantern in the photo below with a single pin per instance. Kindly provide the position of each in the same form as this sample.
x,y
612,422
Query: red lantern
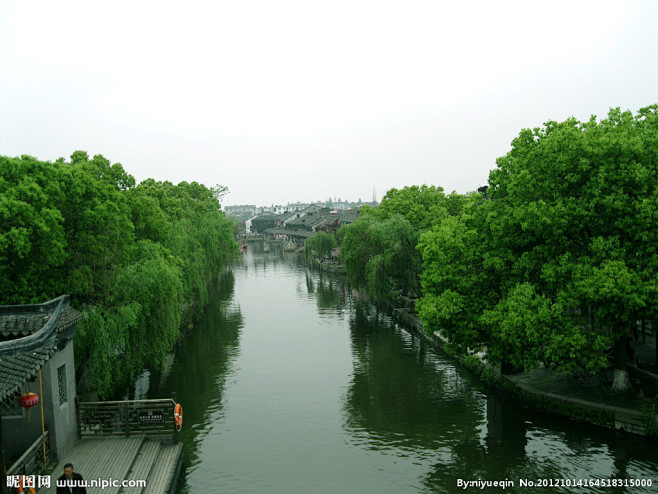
x,y
28,400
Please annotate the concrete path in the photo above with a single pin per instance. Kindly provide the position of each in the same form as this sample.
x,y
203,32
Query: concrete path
x,y
592,399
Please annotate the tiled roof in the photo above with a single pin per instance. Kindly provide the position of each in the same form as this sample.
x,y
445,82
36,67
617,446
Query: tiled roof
x,y
348,217
24,324
69,317
315,220
307,221
15,371
265,217
20,328
12,325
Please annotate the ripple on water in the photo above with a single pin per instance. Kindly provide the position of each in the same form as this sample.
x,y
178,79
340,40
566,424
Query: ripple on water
x,y
318,392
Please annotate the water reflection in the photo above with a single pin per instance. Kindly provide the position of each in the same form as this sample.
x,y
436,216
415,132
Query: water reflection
x,y
401,397
331,293
294,385
506,431
493,457
406,399
203,364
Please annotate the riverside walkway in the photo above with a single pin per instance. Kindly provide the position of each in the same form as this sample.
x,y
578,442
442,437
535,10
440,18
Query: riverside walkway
x,y
591,400
138,464
585,400
125,446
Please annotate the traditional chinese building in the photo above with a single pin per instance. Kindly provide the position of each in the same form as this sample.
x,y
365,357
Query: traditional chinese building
x,y
131,440
36,355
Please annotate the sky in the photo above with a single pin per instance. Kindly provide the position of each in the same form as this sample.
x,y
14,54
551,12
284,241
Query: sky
x,y
284,101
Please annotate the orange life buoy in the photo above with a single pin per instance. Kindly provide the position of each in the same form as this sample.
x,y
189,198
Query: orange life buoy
x,y
21,481
178,416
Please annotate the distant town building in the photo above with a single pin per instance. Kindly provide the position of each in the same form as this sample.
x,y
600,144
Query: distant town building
x,y
263,221
298,206
259,219
279,209
309,209
244,211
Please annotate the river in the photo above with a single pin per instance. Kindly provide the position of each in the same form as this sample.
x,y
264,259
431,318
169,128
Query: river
x,y
289,384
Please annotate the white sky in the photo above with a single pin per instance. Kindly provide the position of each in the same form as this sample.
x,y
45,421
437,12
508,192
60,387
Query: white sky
x,y
302,100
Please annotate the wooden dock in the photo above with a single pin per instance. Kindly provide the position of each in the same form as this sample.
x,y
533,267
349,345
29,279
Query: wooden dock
x,y
123,447
134,458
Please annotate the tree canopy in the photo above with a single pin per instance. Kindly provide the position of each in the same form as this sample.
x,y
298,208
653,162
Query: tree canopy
x,y
132,255
560,260
380,248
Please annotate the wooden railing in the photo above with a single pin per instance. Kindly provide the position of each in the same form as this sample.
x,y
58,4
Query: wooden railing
x,y
31,462
126,418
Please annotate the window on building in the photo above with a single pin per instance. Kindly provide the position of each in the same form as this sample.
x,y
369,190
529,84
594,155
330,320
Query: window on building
x,y
61,383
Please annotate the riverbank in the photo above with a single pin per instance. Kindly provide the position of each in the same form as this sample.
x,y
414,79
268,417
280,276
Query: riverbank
x,y
289,359
582,400
331,266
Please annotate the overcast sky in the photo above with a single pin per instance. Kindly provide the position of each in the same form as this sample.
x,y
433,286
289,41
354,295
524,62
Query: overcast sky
x,y
285,101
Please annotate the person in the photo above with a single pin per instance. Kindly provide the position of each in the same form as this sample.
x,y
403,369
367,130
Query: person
x,y
73,477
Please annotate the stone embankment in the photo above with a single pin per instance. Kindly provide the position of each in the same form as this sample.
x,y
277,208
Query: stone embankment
x,y
584,400
331,266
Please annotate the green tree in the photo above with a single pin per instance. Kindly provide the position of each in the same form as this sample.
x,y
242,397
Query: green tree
x,y
381,255
570,209
381,252
32,235
360,241
422,206
459,278
323,243
102,246
133,256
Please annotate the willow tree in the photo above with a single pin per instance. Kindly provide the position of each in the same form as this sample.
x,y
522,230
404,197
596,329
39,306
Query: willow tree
x,y
381,255
132,256
323,243
380,248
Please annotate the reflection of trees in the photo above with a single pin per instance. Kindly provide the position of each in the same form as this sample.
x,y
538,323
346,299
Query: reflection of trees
x,y
330,292
506,431
580,450
310,285
257,258
470,458
399,397
329,296
203,361
535,446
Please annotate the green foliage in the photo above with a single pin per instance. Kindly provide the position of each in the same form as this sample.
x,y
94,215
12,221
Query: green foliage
x,y
380,248
421,206
101,344
458,279
381,255
32,234
323,243
562,259
104,241
156,289
133,256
